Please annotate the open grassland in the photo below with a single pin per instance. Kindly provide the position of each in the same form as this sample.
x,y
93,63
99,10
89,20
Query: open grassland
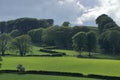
x,y
36,51
65,64
38,77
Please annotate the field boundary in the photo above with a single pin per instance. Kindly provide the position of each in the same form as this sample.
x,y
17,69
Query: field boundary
x,y
55,73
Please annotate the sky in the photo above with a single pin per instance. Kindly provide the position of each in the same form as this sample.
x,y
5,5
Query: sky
x,y
77,12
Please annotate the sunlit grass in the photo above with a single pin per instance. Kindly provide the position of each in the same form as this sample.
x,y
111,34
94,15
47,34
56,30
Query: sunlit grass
x,y
65,64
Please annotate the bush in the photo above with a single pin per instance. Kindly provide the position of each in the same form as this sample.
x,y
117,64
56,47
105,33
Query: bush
x,y
47,51
103,77
53,53
20,68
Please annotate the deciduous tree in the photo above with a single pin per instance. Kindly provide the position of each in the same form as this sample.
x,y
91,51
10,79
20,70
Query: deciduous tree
x,y
4,41
22,44
79,41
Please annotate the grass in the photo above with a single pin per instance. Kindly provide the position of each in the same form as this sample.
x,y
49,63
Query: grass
x,y
36,51
94,55
65,64
38,77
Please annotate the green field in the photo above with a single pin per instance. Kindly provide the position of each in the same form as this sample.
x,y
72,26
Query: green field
x,y
65,64
72,53
38,77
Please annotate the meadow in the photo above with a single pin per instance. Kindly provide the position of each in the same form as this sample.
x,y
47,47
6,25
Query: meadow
x,y
64,64
101,64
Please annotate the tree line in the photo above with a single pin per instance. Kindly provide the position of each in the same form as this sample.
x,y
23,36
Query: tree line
x,y
79,38
24,24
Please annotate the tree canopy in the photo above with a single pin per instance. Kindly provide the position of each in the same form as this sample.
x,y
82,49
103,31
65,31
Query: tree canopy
x,y
4,42
105,22
79,41
91,42
22,44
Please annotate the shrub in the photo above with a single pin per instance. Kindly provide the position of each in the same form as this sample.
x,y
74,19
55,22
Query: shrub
x,y
20,68
53,53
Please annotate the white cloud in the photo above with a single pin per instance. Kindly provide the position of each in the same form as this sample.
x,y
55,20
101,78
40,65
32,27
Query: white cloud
x,y
110,7
81,12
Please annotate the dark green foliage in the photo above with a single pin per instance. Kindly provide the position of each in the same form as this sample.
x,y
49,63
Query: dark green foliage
x,y
10,25
25,24
61,37
114,40
77,29
48,36
22,44
2,27
58,36
66,23
20,68
105,22
15,33
50,22
79,41
91,42
4,41
52,52
110,32
36,35
110,41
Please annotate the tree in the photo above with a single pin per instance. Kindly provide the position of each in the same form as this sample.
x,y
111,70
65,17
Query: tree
x,y
2,27
36,35
4,41
91,42
103,42
50,22
77,29
109,41
48,36
59,36
15,33
66,23
22,44
114,40
79,41
105,22
26,24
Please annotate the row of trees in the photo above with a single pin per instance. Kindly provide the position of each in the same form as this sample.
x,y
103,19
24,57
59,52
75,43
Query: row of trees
x,y
21,43
84,41
79,37
60,37
24,24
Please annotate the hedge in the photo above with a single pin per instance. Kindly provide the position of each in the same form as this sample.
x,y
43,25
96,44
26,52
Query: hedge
x,y
103,77
53,53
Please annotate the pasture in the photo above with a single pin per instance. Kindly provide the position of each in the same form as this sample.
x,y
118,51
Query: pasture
x,y
64,64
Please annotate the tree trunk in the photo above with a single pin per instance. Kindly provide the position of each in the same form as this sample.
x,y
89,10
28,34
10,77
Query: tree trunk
x,y
89,54
113,51
21,53
80,55
3,52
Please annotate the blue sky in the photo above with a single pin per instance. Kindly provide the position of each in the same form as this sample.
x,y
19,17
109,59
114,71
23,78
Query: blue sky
x,y
77,12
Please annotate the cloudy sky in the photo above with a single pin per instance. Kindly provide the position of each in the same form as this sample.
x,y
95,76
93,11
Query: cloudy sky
x,y
78,12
